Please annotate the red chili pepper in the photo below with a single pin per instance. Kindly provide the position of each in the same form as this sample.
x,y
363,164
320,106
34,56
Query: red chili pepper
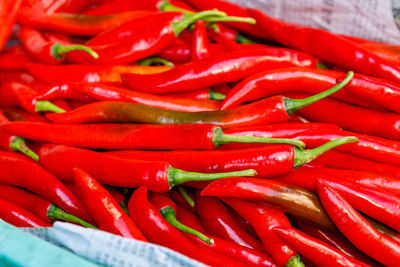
x,y
21,77
13,61
83,91
327,46
218,222
341,160
159,176
110,74
77,24
264,219
104,208
42,208
245,225
159,231
8,15
185,201
336,240
231,44
153,137
119,197
268,161
48,52
112,7
291,199
20,171
288,80
200,48
315,250
368,147
179,51
202,94
227,67
18,216
362,234
16,114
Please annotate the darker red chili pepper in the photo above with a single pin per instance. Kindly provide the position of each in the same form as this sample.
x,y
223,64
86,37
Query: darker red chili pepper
x,y
21,171
217,221
82,91
18,216
8,15
368,147
291,199
327,46
42,208
153,137
181,200
78,24
110,74
357,229
315,250
335,159
46,51
159,176
227,67
17,114
289,80
104,208
264,219
159,231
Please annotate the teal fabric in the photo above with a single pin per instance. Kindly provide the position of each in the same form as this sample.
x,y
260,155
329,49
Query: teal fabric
x,y
18,248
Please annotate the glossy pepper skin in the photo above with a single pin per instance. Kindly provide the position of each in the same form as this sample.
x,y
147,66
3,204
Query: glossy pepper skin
x,y
328,46
357,229
264,219
159,176
104,208
223,68
200,48
291,199
18,216
159,231
317,251
217,221
20,171
128,136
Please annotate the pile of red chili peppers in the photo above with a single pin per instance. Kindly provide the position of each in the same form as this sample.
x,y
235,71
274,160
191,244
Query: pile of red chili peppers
x,y
217,131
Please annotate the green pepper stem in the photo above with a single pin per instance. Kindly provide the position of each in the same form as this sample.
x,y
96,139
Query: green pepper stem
x,y
18,144
177,176
44,105
219,138
124,206
243,39
321,66
152,61
186,196
305,156
216,96
59,51
169,214
231,19
189,19
292,105
295,261
55,213
167,6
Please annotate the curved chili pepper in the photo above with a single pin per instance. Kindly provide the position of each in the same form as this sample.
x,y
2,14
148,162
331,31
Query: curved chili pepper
x,y
104,208
270,110
199,42
291,199
288,80
38,206
168,210
120,198
8,15
218,222
268,161
357,229
250,256
327,46
109,136
47,52
227,67
82,91
159,176
158,230
110,74
77,24
264,219
336,240
203,94
20,171
335,159
317,251
18,216
368,147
